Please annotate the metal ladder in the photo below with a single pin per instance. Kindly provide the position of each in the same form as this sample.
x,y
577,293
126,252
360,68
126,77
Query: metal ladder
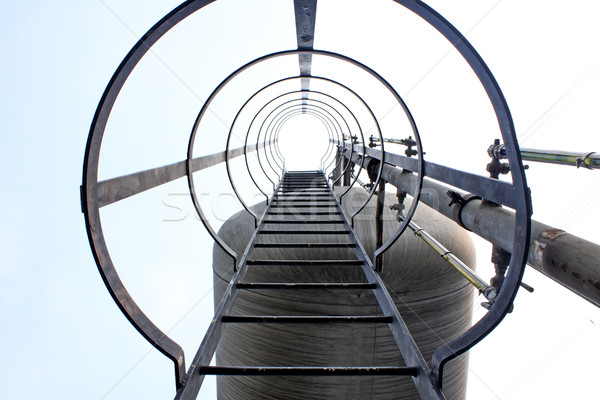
x,y
307,193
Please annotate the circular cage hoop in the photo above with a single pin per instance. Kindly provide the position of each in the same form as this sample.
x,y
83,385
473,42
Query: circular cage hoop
x,y
278,123
331,150
312,91
374,74
295,110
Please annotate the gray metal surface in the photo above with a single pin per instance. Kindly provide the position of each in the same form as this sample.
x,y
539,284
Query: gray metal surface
x,y
305,12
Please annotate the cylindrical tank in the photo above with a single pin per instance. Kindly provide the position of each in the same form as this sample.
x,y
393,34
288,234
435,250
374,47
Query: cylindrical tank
x,y
433,298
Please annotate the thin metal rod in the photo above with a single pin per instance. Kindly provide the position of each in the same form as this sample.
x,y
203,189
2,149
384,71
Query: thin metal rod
x,y
585,160
457,263
379,224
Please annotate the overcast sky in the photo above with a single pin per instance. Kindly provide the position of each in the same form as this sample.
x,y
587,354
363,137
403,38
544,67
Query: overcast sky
x,y
64,338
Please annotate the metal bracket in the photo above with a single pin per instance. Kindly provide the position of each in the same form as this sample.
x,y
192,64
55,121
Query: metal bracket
x,y
460,201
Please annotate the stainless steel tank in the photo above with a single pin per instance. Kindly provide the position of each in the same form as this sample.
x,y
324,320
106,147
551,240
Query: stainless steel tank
x,y
435,301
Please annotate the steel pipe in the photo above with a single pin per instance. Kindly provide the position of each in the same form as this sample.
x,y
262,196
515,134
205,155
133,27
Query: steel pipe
x,y
569,260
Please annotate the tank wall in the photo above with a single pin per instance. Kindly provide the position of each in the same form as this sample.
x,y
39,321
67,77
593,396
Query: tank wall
x,y
433,298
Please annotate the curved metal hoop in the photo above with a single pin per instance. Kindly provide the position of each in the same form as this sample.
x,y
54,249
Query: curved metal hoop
x,y
303,111
258,137
288,79
269,131
89,187
523,210
276,140
274,143
246,66
293,111
318,109
271,140
347,126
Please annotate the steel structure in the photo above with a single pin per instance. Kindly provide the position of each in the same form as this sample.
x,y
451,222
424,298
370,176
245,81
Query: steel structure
x,y
477,203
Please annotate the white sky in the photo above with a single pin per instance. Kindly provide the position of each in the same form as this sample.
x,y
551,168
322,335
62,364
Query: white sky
x,y
65,338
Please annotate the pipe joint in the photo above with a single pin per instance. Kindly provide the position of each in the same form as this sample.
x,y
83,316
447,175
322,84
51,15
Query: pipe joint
x,y
459,202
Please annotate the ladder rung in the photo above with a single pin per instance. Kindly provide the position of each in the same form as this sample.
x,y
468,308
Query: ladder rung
x,y
311,319
337,285
303,196
304,262
298,192
305,232
306,213
308,371
290,186
305,245
302,222
298,200
303,205
308,190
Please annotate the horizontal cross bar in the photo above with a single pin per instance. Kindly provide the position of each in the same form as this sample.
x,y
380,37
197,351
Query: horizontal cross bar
x,y
116,189
305,245
303,222
303,319
308,371
306,213
336,285
304,262
306,232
